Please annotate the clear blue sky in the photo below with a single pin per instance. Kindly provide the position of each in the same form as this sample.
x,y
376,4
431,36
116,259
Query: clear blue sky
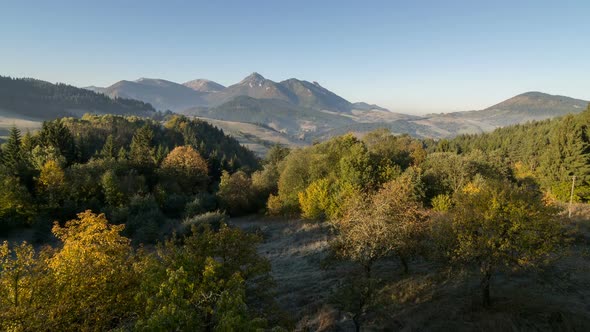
x,y
410,56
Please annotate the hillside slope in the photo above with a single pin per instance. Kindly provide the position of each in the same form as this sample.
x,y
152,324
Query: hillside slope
x,y
32,99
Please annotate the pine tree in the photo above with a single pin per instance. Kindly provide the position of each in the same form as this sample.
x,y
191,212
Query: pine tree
x,y
142,153
108,149
12,155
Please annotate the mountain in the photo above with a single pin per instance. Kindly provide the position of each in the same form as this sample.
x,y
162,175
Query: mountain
x,y
165,95
314,96
35,99
162,94
254,86
203,85
280,115
526,107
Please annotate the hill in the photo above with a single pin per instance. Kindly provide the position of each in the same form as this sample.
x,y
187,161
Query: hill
x,y
277,114
40,100
526,107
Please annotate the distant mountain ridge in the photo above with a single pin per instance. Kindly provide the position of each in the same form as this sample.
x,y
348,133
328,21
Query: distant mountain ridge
x,y
162,94
525,107
289,111
166,95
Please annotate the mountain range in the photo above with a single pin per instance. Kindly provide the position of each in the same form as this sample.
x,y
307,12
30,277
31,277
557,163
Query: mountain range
x,y
166,95
261,111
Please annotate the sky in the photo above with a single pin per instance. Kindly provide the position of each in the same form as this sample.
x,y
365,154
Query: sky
x,y
410,56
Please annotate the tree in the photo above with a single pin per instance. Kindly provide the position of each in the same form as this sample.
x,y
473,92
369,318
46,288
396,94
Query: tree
x,y
111,189
141,154
390,222
109,149
20,271
186,288
92,270
499,226
185,168
15,202
55,134
51,182
236,193
12,154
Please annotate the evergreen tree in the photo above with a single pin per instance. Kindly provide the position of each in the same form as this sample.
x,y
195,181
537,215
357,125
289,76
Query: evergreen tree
x,y
57,135
142,152
12,155
108,149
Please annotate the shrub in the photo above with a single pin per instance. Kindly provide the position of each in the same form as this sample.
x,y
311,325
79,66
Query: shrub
x,y
213,219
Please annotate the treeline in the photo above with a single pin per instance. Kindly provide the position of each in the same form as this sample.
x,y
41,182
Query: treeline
x,y
137,171
44,100
550,151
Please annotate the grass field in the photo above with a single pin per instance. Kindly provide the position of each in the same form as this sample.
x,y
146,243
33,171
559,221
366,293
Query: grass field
x,y
430,297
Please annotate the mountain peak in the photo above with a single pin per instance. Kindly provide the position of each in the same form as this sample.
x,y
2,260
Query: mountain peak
x,y
254,77
204,85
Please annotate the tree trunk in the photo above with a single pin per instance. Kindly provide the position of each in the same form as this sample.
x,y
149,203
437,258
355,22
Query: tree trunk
x,y
404,262
368,270
357,323
485,289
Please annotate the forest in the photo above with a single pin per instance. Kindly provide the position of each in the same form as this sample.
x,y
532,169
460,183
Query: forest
x,y
134,223
43,100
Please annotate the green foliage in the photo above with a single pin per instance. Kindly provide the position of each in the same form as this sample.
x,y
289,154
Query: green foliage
x,y
236,193
441,203
39,99
389,222
56,135
499,226
562,152
15,207
213,219
94,280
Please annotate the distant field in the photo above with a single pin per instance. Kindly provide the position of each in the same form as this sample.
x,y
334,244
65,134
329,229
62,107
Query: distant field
x,y
257,138
8,120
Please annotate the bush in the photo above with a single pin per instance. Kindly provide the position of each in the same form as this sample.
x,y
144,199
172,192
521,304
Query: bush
x,y
203,202
144,219
213,219
174,205
441,203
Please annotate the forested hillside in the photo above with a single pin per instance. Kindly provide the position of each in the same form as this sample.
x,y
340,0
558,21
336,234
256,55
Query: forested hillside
x,y
125,166
551,151
46,101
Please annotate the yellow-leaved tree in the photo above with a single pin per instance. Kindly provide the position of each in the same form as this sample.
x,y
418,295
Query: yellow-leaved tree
x,y
92,275
184,169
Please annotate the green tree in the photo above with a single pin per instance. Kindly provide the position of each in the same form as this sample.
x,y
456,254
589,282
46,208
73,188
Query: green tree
x,y
499,226
55,134
236,193
141,154
12,154
111,189
109,150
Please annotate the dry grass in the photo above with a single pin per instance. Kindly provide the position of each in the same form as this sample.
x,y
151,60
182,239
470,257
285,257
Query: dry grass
x,y
429,298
